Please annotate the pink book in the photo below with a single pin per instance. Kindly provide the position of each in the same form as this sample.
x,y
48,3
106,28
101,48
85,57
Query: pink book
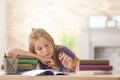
x,y
96,67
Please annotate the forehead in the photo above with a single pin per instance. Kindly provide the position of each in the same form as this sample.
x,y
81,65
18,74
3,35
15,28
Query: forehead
x,y
41,41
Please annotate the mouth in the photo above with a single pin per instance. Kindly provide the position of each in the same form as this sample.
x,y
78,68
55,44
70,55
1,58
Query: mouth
x,y
47,57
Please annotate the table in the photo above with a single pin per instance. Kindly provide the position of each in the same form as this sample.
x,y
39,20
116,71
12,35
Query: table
x,y
61,77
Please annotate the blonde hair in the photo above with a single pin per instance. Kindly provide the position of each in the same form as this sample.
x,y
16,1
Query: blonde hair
x,y
36,34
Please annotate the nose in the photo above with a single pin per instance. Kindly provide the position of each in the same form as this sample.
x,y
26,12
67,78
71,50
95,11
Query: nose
x,y
44,50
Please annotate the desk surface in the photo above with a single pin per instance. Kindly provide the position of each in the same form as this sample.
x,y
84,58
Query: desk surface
x,y
61,77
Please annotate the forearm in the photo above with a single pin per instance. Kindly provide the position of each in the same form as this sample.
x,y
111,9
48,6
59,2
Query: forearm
x,y
21,52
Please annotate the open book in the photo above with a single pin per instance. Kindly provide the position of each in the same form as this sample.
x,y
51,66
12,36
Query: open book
x,y
42,72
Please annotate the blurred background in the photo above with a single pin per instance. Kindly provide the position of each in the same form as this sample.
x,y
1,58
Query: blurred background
x,y
90,28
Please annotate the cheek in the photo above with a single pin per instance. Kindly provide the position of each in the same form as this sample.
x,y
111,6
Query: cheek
x,y
37,52
52,51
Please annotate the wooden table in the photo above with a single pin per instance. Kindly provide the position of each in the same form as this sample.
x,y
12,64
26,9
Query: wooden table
x,y
61,77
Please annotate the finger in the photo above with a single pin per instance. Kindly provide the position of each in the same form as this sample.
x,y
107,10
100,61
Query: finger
x,y
64,59
60,54
65,56
46,61
68,59
61,57
51,62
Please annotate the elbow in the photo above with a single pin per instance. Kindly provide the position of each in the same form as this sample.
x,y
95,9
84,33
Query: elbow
x,y
10,52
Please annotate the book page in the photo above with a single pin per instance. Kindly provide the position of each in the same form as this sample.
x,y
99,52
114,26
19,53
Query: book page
x,y
42,72
56,72
33,72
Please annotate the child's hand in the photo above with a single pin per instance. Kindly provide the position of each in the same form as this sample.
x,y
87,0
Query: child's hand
x,y
67,61
50,62
47,61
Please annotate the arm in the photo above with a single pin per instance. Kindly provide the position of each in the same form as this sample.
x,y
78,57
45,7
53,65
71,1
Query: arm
x,y
10,52
68,58
21,52
68,62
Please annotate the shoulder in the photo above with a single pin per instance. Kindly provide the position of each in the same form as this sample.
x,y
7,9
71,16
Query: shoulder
x,y
59,46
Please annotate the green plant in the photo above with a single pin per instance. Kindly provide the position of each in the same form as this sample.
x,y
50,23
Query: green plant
x,y
68,40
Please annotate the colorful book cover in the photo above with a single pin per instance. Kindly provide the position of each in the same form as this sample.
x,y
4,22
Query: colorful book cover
x,y
23,67
26,66
94,62
28,61
95,67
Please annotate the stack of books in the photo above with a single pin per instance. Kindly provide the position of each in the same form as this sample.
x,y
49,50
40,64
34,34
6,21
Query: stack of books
x,y
25,63
95,67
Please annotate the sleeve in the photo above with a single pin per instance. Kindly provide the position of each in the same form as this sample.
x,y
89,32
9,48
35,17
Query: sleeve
x,y
67,51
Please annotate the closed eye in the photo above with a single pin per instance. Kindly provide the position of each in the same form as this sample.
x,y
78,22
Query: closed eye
x,y
40,48
46,45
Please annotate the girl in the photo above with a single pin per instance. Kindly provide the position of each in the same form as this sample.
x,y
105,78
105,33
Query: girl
x,y
49,55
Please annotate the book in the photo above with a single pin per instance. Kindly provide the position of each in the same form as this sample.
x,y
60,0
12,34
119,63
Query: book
x,y
42,72
26,66
95,67
28,61
93,62
21,71
94,72
23,67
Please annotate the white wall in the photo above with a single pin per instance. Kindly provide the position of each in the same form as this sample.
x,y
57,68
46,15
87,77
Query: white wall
x,y
2,29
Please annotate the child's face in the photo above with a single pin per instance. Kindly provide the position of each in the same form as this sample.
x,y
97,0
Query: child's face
x,y
43,48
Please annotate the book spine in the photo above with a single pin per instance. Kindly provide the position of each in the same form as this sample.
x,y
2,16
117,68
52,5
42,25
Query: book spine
x,y
94,62
23,67
27,61
26,66
96,67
